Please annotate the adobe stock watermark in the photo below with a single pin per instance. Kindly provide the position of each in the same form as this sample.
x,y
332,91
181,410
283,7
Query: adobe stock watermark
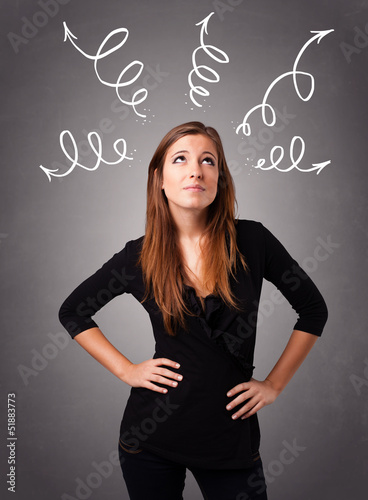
x,y
359,382
228,6
275,468
133,437
287,456
359,42
100,472
31,27
293,277
40,359
149,425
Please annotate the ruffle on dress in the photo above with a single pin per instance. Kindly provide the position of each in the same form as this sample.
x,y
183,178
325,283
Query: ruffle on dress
x,y
219,324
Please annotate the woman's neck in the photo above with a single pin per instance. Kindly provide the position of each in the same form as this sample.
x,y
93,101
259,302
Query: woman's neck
x,y
190,224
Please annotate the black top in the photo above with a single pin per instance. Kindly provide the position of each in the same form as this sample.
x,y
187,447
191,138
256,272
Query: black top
x,y
190,423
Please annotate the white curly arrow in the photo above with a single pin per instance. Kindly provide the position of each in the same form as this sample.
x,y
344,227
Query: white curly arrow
x,y
98,152
245,127
210,50
68,35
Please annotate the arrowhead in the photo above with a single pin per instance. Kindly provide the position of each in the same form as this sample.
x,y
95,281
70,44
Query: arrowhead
x,y
321,165
322,34
47,172
205,22
68,33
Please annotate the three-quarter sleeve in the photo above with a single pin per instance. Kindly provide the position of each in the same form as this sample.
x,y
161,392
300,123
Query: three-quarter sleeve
x,y
296,286
111,280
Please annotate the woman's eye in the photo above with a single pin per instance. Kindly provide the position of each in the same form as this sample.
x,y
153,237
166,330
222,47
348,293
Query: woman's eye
x,y
179,159
209,160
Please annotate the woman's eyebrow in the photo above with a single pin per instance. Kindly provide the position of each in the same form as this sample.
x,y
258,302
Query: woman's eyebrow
x,y
185,151
209,153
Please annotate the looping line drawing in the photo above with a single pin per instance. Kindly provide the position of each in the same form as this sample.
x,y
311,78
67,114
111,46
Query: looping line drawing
x,y
211,51
264,106
245,127
98,152
140,95
294,162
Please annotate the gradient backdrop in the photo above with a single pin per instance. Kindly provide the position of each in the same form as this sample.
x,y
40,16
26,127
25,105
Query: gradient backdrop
x,y
55,233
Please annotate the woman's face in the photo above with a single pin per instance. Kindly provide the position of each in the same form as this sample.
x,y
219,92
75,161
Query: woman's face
x,y
192,159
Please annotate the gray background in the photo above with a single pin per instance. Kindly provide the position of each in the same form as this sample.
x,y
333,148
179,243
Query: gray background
x,y
55,234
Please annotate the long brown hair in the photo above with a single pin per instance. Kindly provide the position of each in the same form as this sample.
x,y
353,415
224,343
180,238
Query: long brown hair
x,y
160,256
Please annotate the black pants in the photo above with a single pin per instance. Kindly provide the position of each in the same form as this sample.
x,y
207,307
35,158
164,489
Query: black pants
x,y
149,476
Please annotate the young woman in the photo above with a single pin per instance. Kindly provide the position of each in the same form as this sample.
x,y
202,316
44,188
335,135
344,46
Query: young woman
x,y
198,272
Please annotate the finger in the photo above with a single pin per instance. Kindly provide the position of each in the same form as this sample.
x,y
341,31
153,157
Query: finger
x,y
167,373
155,388
167,362
247,408
244,397
238,388
163,380
252,411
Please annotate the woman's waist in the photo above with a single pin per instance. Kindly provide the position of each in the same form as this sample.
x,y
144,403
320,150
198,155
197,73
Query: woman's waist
x,y
204,370
202,389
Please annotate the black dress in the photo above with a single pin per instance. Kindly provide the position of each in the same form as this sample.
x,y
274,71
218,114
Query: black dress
x,y
190,423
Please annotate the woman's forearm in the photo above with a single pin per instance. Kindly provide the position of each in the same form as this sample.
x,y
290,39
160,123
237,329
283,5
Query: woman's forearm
x,y
296,350
256,393
143,374
97,345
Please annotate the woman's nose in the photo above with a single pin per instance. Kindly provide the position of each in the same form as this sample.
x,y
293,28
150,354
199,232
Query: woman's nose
x,y
196,168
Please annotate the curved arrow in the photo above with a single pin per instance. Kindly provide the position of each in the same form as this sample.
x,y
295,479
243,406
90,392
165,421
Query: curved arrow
x,y
98,152
68,35
211,51
245,125
294,162
318,37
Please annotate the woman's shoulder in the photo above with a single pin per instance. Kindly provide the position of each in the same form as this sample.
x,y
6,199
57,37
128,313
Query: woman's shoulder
x,y
248,226
134,246
137,242
248,229
251,235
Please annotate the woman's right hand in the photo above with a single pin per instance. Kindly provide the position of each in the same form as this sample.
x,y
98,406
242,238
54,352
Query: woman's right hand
x,y
149,371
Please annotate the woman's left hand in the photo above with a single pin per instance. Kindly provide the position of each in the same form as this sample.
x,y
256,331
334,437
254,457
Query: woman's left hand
x,y
256,393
